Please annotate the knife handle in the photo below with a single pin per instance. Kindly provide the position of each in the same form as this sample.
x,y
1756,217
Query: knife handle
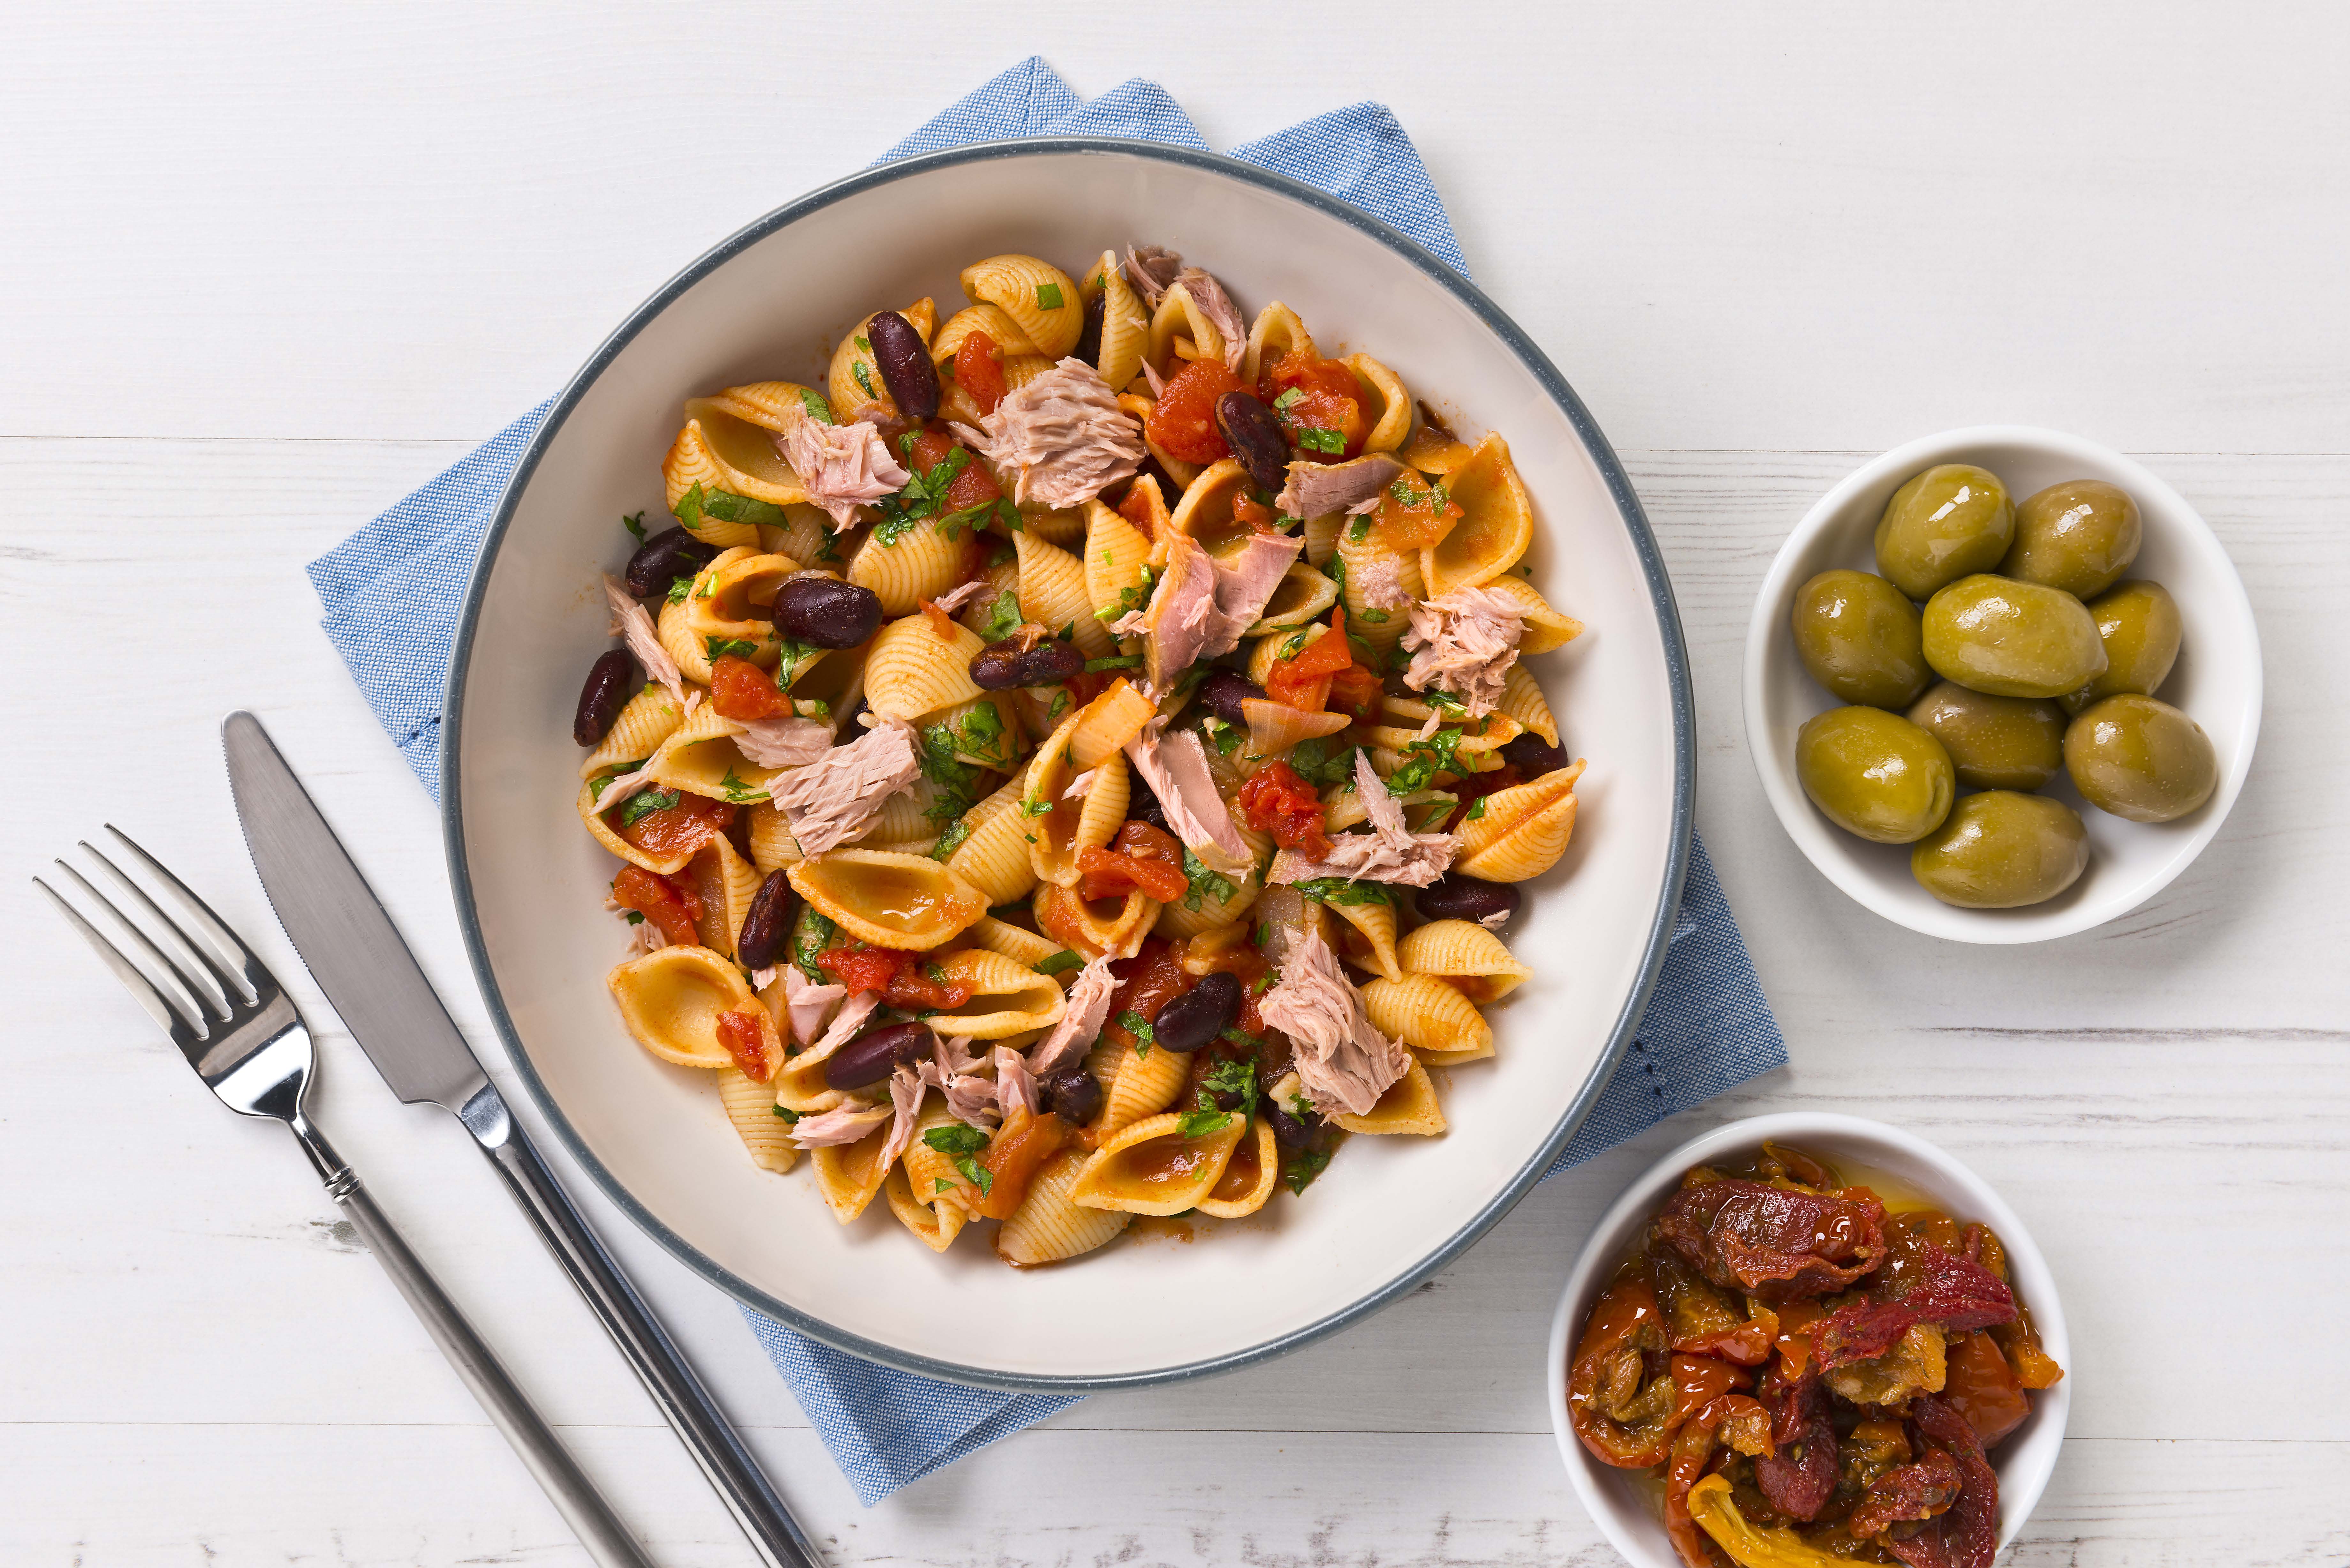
x,y
673,1385
574,1497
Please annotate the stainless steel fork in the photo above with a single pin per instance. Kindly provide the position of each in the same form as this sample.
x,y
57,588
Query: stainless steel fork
x,y
240,1032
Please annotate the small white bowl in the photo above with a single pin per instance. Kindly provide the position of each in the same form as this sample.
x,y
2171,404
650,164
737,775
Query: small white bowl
x,y
2023,1460
2217,681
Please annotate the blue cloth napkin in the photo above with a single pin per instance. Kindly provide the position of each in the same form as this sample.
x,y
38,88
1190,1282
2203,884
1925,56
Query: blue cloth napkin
x,y
394,591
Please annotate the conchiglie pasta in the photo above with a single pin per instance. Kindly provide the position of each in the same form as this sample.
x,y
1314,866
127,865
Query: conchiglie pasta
x,y
1368,935
850,1175
1205,512
1466,955
1303,594
993,856
694,460
1524,831
1497,521
1545,628
1000,329
1116,565
1007,998
1135,1083
1053,594
910,902
1275,334
805,534
1387,407
701,757
677,640
773,847
725,882
1430,1017
927,1167
936,1227
1322,538
1522,702
671,999
1218,908
854,381
1103,726
1022,946
911,671
1059,827
1408,1107
1249,1175
920,564
1037,295
1150,1167
731,597
1178,324
770,405
1125,324
1115,928
1048,1227
1381,629
647,720
591,812
751,1108
1137,408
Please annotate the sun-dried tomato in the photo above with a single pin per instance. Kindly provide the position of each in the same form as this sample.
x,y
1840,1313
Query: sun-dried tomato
x,y
1135,507
1319,404
1700,1319
673,909
1800,1476
1414,513
861,968
1782,1245
750,1037
1966,1533
1923,1284
1731,1419
1148,981
979,370
1699,1380
1619,1386
1794,1339
1909,1493
1275,800
673,830
743,692
1981,1385
1140,856
1183,423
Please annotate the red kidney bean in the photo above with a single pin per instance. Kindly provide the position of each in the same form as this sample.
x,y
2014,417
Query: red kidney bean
x,y
904,361
825,611
1534,756
766,924
873,1056
1142,804
1199,1014
1223,691
848,729
1001,665
663,559
1459,897
1072,1094
1256,438
611,681
1089,337
1290,1131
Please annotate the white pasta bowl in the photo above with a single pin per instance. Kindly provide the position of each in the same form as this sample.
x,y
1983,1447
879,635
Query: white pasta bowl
x,y
2217,681
2023,1459
530,884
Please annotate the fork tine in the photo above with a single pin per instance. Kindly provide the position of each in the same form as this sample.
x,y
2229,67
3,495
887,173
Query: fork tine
x,y
230,954
126,972
188,963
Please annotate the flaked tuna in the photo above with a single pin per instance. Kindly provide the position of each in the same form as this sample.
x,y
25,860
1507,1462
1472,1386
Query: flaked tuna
x,y
632,624
1344,1063
1390,852
850,1123
1076,1029
846,1023
1381,583
1202,607
906,1090
1220,312
808,1005
1318,489
1152,270
1176,768
785,743
956,598
1463,642
1062,438
841,467
1015,1089
830,802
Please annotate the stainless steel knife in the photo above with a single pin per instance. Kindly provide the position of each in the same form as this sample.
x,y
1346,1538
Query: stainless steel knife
x,y
350,945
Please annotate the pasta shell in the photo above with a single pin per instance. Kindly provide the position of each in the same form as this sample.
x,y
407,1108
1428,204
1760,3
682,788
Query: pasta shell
x,y
926,1167
747,461
1205,512
1007,997
1064,526
935,1227
1432,449
1019,369
920,564
1037,295
1465,954
1478,737
1523,701
911,671
1524,831
1276,333
853,381
1002,331
1387,407
805,535
993,855
1343,808
1214,908
1408,1106
1545,628
985,733
725,883
1178,324
1022,946
1249,1176
1157,520
1054,595
773,847
1373,924
1118,577
906,901
602,832
1092,931
1136,1084
648,718
1047,1228
1275,727
691,460
1057,828
1382,629
671,999
1125,324
1322,538
701,756
731,597
1430,1017
770,405
751,1108
1150,1167
849,1175
1303,594
1497,521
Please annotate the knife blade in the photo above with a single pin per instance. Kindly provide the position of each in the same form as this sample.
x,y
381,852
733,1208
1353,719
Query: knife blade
x,y
340,927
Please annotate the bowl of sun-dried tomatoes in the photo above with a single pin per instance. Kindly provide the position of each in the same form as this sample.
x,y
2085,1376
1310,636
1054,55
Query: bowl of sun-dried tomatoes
x,y
1806,1340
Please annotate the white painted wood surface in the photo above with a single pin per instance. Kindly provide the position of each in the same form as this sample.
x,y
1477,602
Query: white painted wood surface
x,y
265,270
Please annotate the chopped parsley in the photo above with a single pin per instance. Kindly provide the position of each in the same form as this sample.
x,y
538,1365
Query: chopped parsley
x,y
1322,439
1060,963
644,803
1321,760
738,791
1336,571
976,517
795,655
726,506
1004,617
818,409
864,344
1447,700
864,379
1048,296
1476,810
718,648
921,498
1359,529
815,934
1296,644
940,1184
1288,398
596,786
1225,738
788,1114
1341,890
1133,596
951,840
632,917
1117,661
1423,760
1060,706
1297,1173
678,588
1205,882
635,524
1230,1076
957,780
960,1143
981,736
1200,1123
1134,1023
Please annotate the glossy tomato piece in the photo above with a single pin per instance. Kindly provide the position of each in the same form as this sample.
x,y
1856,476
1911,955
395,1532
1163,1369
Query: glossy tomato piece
x,y
743,692
979,370
1183,423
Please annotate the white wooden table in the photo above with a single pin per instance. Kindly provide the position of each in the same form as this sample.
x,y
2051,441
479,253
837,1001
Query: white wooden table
x,y
262,271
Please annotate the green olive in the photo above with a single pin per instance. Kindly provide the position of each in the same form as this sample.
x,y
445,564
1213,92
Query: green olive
x,y
2011,639
2080,536
1860,638
2140,758
2001,849
1875,773
1995,742
2139,624
1948,521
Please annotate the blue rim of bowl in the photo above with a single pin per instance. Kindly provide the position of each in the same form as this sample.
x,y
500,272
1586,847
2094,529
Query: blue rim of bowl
x,y
1627,506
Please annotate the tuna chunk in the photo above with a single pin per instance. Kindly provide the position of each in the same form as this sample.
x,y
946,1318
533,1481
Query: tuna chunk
x,y
1318,489
620,786
786,742
1463,642
808,1005
906,1091
956,598
841,467
630,623
1074,1033
1201,607
1014,1086
1063,438
1381,583
846,1023
1390,852
1152,270
1176,768
1344,1063
850,1123
830,802
1221,314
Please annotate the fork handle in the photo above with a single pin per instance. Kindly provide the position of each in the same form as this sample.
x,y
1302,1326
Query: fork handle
x,y
574,1497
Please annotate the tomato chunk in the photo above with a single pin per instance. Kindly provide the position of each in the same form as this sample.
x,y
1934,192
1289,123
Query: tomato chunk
x,y
1355,692
916,988
670,908
860,968
1414,513
1183,423
750,1039
1140,856
1276,801
1303,679
1319,404
1025,1143
979,370
681,827
743,692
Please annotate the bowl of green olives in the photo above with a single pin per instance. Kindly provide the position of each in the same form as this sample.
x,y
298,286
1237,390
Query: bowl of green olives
x,y
2002,684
